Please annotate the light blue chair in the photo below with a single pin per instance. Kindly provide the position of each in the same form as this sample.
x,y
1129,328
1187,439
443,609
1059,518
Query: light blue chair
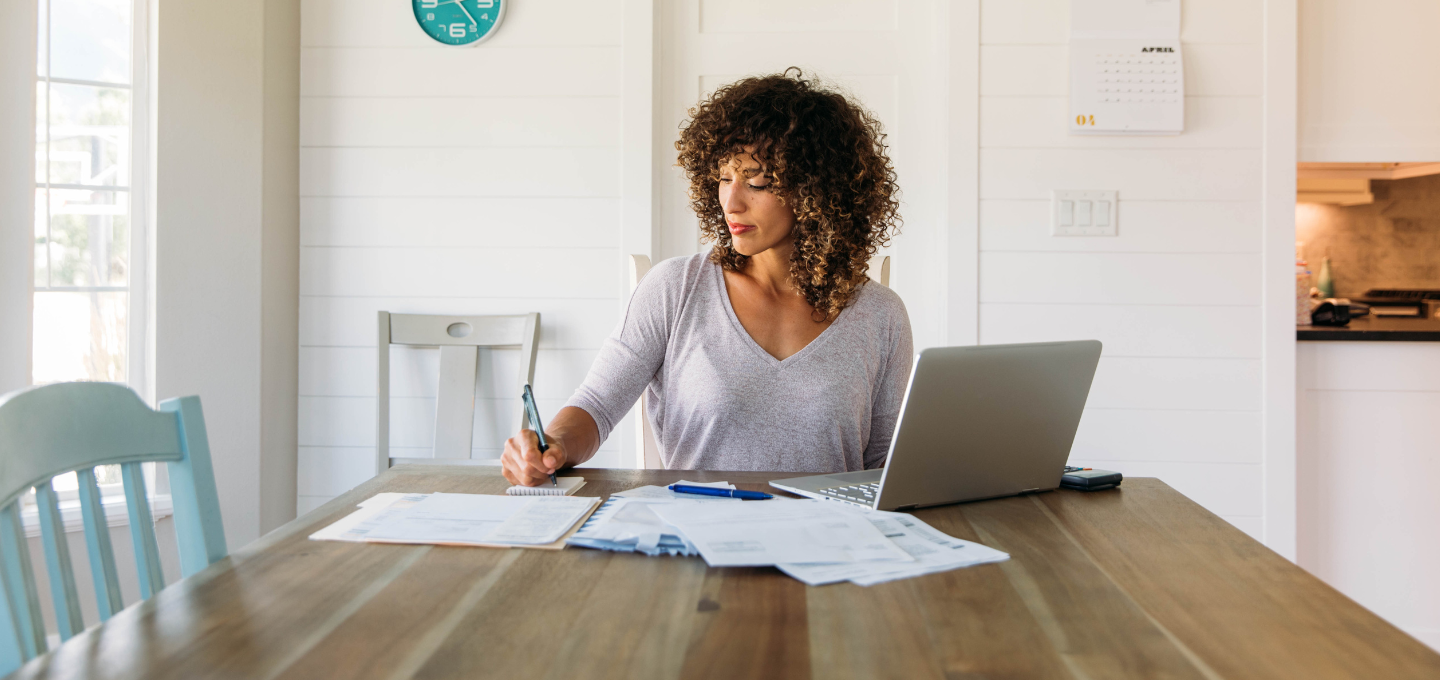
x,y
53,429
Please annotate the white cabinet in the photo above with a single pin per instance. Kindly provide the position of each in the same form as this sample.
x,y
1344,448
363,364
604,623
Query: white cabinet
x,y
1368,460
1369,80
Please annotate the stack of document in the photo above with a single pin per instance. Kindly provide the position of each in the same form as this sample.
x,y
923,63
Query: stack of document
x,y
816,542
627,524
461,519
931,552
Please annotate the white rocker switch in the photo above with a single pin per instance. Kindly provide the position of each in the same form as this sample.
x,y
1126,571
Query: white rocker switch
x,y
1083,213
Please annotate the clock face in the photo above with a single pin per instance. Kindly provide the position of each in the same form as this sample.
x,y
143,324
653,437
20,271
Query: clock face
x,y
459,22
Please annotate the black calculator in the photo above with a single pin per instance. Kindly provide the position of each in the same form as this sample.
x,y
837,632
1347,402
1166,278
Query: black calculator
x,y
1089,479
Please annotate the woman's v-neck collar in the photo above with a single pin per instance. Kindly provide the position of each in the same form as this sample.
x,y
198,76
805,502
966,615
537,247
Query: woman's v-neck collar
x,y
718,276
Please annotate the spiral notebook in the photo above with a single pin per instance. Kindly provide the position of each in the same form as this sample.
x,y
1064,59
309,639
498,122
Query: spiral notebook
x,y
567,487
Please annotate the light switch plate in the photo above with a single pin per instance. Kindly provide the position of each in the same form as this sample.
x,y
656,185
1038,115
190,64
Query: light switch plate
x,y
1083,213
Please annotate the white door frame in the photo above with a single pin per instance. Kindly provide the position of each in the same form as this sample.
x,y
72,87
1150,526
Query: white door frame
x,y
1281,53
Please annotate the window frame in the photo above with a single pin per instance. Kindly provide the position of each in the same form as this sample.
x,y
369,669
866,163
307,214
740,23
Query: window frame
x,y
139,286
139,347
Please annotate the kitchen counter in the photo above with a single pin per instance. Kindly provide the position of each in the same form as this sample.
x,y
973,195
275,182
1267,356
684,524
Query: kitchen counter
x,y
1393,329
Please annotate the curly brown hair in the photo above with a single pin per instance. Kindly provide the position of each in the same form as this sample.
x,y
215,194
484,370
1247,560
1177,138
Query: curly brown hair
x,y
824,156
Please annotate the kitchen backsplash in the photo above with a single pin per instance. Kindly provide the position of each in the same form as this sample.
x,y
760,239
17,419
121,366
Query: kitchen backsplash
x,y
1391,243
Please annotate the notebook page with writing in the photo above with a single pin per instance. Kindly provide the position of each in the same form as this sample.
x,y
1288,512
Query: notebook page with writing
x,y
567,487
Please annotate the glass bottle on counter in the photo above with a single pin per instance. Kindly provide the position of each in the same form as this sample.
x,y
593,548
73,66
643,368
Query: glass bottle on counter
x,y
1326,282
1302,289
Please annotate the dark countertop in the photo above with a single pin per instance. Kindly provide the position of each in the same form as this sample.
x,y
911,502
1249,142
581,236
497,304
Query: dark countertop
x,y
1390,329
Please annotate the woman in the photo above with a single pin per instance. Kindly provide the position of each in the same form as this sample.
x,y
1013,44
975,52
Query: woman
x,y
772,351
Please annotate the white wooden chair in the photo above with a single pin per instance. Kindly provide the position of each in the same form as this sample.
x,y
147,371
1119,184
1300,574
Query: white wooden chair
x,y
459,339
639,266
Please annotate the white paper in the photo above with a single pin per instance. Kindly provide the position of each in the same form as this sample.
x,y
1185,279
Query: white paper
x,y
354,526
631,520
713,485
545,520
660,492
763,533
477,519
932,550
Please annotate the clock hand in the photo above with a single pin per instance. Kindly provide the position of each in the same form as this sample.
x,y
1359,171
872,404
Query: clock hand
x,y
462,9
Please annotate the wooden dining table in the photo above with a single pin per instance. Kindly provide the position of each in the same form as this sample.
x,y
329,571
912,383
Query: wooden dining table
x,y
1134,582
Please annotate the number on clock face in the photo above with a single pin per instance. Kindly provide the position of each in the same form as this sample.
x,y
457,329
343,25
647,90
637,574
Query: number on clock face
x,y
459,22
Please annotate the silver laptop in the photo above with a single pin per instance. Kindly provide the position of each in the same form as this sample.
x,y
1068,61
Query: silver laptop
x,y
976,422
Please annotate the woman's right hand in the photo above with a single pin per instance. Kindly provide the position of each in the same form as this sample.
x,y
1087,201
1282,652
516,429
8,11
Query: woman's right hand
x,y
525,465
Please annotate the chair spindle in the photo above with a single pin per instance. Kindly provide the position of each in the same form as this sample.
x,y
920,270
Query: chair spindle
x,y
18,582
98,548
142,531
57,561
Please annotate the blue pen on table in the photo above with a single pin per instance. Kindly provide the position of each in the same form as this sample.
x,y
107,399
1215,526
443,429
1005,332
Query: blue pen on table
x,y
533,415
728,493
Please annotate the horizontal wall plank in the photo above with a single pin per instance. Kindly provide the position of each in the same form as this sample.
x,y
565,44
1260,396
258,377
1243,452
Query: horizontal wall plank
x,y
798,16
385,23
1183,384
1369,366
1042,70
304,504
553,71
1048,22
352,321
492,221
1141,227
877,93
350,421
333,470
459,122
816,53
459,272
1120,278
450,172
1138,174
1226,489
1130,330
1169,436
1040,122
414,371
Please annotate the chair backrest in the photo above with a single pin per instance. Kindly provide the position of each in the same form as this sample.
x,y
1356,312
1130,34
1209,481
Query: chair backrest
x,y
880,270
639,266
53,429
459,339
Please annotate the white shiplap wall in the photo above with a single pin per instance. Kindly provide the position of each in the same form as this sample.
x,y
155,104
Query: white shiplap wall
x,y
1176,296
450,180
887,55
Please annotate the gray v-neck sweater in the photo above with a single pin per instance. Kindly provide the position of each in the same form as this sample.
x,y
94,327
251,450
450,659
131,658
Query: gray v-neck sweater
x,y
717,401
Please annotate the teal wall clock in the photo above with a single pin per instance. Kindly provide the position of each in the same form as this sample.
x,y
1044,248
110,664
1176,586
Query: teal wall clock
x,y
459,23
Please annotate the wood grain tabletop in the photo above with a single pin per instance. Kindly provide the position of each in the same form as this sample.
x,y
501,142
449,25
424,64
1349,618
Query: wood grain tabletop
x,y
1138,582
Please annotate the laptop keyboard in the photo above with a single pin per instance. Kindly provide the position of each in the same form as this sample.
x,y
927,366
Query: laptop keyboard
x,y
864,494
859,494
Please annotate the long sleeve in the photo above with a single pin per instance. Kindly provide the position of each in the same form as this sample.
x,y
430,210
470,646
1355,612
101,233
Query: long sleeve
x,y
631,356
889,391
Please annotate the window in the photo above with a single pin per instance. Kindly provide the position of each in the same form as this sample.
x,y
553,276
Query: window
x,y
89,232
86,249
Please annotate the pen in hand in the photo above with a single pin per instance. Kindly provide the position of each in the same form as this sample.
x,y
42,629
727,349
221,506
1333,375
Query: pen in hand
x,y
533,415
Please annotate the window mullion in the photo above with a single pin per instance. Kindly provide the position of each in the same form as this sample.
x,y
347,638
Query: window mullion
x,y
49,218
